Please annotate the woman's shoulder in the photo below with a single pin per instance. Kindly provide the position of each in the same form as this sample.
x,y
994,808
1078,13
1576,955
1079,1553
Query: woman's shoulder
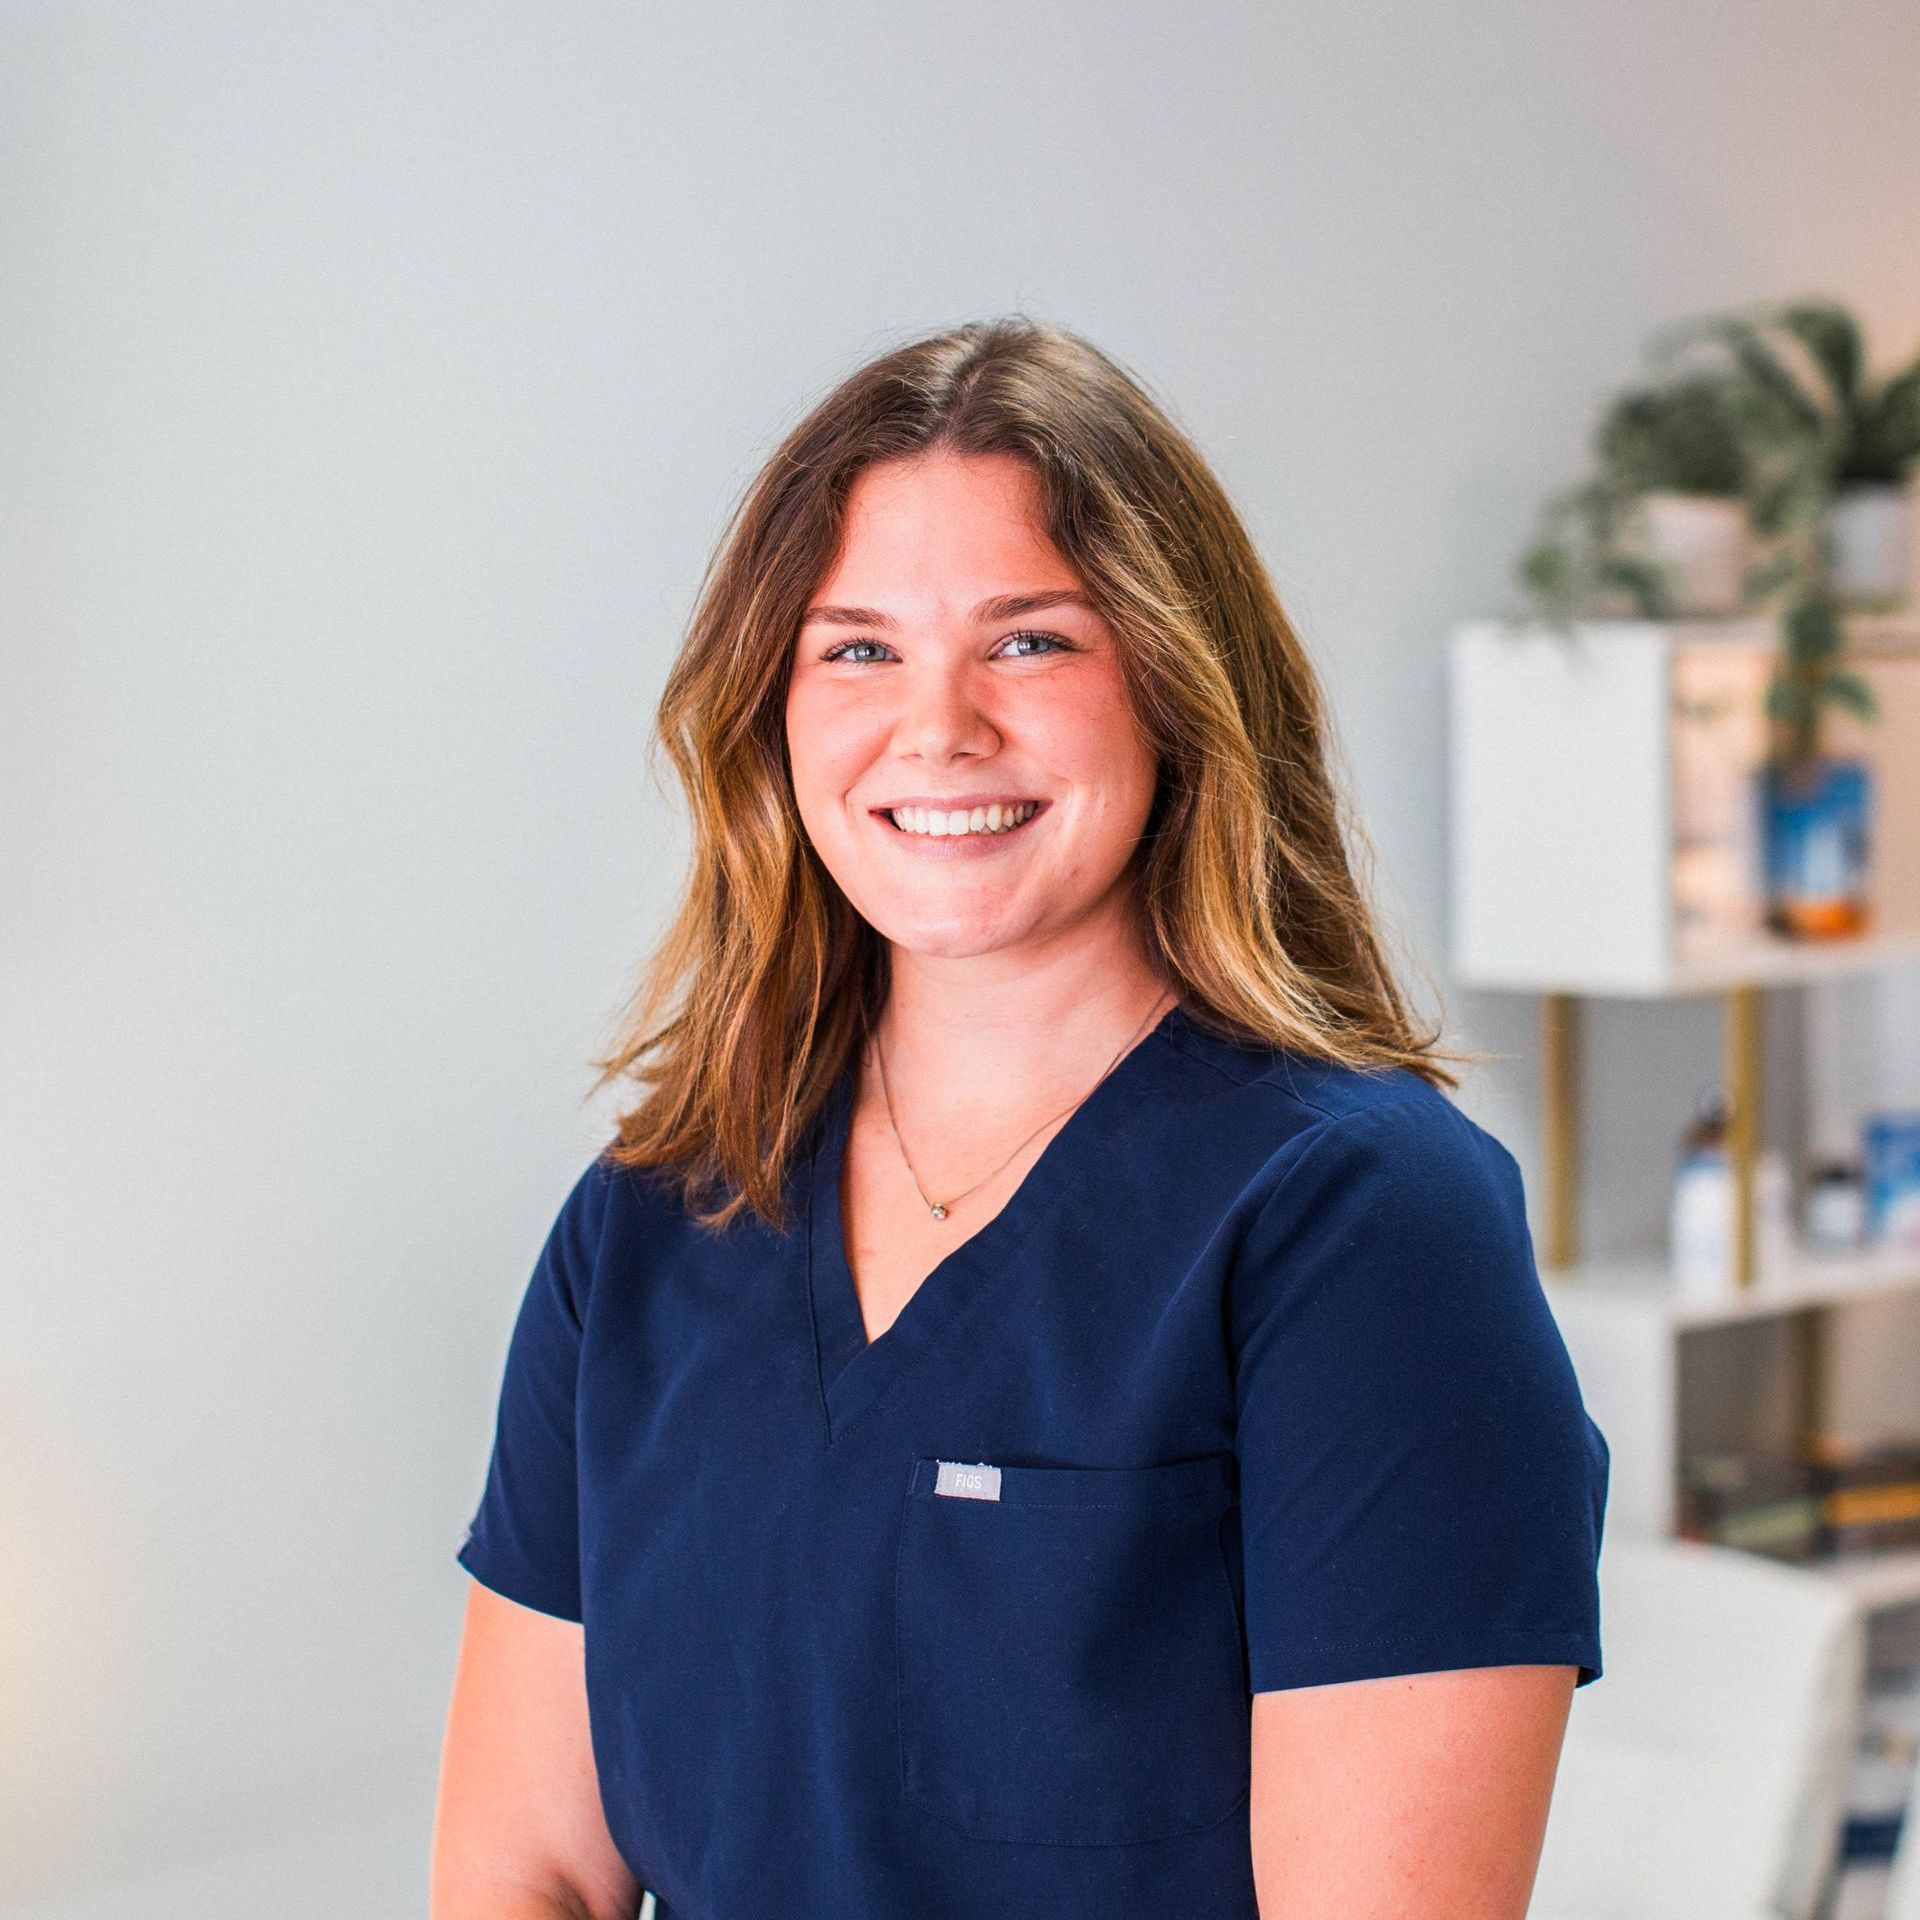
x,y
1353,1141
620,1210
1302,1092
606,1203
1378,1201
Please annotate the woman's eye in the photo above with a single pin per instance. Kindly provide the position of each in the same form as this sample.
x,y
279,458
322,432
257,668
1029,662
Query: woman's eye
x,y
847,647
1045,640
1024,645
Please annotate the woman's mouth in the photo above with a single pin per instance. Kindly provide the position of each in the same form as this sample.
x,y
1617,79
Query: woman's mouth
x,y
957,823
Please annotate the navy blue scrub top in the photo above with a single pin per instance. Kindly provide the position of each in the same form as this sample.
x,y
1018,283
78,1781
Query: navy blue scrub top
x,y
1251,1384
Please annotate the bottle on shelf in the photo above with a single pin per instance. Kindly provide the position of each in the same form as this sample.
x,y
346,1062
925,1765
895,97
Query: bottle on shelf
x,y
1701,1240
1834,1219
1700,1236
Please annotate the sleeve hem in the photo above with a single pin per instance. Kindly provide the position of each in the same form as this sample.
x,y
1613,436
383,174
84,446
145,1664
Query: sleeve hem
x,y
512,1586
1325,1662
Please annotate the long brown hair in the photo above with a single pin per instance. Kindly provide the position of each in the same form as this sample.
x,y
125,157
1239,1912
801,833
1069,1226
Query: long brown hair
x,y
760,989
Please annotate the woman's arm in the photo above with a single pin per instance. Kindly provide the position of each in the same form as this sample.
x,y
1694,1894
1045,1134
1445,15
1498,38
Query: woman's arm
x,y
518,1832
1420,1796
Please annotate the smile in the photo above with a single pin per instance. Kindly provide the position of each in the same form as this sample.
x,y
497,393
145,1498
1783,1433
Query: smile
x,y
960,822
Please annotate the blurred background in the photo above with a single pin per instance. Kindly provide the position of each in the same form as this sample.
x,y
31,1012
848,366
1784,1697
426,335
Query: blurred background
x,y
374,382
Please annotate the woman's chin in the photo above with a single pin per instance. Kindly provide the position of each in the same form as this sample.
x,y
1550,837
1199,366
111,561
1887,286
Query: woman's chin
x,y
938,936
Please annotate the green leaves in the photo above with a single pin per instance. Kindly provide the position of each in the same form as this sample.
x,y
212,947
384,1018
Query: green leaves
x,y
1807,357
1888,431
1580,564
1746,337
1814,636
1811,629
1843,689
1832,340
1686,438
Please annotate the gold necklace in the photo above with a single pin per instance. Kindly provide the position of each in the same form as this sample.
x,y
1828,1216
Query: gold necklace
x,y
940,1208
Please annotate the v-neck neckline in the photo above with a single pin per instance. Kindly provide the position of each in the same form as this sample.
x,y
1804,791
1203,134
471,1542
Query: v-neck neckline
x,y
853,1371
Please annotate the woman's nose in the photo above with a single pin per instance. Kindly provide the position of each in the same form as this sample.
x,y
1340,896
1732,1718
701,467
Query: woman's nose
x,y
943,714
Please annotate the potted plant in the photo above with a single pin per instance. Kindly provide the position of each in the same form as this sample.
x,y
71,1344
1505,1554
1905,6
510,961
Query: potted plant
x,y
1660,528
1860,435
1677,454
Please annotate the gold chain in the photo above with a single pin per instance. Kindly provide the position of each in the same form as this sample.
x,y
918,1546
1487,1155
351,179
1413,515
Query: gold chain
x,y
940,1208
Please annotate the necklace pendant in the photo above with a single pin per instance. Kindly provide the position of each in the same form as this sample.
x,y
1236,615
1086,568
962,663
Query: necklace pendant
x,y
938,1211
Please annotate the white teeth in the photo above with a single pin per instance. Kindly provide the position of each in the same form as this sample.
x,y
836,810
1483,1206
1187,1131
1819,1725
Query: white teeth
x,y
938,823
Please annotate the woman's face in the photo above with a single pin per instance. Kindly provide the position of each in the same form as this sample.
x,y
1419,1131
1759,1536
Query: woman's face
x,y
964,756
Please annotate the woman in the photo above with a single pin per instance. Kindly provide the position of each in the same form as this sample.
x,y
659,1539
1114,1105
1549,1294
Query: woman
x,y
1046,1407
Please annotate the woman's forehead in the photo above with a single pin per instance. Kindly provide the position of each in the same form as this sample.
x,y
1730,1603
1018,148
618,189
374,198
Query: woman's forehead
x,y
949,529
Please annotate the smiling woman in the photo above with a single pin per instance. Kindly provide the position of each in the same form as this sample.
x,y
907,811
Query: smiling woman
x,y
1044,1405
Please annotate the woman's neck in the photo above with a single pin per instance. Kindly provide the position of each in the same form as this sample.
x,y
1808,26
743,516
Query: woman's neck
x,y
976,1039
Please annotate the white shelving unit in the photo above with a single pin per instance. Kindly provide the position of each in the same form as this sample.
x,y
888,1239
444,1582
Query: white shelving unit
x,y
1605,846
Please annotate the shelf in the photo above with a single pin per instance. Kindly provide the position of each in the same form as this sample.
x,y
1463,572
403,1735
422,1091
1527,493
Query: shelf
x,y
1645,1289
1777,962
1768,961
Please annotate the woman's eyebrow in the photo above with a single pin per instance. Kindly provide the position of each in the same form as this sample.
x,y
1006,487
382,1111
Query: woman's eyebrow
x,y
1005,606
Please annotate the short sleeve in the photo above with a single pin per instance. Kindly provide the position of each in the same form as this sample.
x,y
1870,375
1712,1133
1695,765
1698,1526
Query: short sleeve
x,y
524,1539
1420,1485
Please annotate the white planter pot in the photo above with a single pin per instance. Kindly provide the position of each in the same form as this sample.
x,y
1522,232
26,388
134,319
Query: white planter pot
x,y
1702,543
1871,530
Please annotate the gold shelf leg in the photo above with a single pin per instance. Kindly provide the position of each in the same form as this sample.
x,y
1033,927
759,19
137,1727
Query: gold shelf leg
x,y
1741,1066
1559,1107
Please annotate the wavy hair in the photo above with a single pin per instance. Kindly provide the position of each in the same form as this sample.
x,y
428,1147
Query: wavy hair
x,y
761,987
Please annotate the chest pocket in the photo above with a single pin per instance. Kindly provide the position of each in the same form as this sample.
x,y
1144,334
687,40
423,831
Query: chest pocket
x,y
1069,1657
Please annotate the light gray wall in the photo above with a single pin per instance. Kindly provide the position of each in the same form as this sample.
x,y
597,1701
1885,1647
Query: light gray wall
x,y
373,381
